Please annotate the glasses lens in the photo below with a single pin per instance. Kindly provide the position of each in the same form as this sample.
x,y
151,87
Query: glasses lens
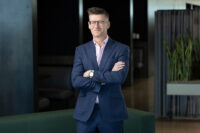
x,y
96,22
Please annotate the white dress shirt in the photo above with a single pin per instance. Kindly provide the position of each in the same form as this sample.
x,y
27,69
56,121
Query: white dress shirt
x,y
99,54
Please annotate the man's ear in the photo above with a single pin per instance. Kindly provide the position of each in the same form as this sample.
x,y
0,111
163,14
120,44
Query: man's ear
x,y
108,25
88,25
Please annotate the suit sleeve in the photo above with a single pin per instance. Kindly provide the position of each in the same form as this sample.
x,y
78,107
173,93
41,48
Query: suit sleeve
x,y
117,77
80,82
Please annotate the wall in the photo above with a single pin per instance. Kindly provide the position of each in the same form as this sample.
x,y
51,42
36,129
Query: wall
x,y
58,27
16,57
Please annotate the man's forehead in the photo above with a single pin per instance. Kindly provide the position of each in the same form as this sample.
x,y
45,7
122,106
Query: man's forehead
x,y
97,16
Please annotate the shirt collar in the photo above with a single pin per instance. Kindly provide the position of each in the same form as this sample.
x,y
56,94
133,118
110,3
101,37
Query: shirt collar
x,y
104,42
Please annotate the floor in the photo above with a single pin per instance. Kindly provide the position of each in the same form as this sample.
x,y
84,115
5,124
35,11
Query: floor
x,y
180,126
141,96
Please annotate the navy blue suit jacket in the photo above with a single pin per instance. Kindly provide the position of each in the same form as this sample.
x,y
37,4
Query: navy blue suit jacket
x,y
111,100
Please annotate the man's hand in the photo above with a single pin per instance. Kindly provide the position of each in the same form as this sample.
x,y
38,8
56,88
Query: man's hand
x,y
86,74
118,66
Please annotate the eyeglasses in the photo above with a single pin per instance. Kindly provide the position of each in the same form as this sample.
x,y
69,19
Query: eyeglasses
x,y
93,23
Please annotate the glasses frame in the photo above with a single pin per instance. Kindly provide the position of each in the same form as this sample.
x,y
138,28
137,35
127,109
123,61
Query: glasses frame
x,y
93,23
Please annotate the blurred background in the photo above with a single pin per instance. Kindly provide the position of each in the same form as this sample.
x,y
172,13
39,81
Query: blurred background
x,y
37,46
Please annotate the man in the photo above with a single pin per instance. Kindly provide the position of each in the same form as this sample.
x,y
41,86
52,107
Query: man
x,y
100,68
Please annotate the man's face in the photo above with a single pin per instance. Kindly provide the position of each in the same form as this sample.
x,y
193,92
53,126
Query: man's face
x,y
98,25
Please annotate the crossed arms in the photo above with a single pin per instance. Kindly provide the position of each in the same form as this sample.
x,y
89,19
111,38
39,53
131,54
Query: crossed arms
x,y
81,80
118,66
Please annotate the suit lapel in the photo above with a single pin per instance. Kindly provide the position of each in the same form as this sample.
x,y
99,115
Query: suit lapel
x,y
106,54
92,52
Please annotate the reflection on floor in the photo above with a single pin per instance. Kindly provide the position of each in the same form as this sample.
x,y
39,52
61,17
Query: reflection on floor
x,y
178,126
140,95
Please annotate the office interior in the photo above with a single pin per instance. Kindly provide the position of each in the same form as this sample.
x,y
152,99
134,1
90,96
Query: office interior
x,y
37,46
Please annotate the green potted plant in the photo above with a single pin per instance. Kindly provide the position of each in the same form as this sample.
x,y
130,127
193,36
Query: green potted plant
x,y
182,59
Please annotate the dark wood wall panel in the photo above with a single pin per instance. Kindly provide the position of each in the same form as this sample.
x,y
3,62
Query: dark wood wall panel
x,y
16,57
58,27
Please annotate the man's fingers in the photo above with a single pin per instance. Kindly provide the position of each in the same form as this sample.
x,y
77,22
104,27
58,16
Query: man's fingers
x,y
121,65
118,66
86,73
120,62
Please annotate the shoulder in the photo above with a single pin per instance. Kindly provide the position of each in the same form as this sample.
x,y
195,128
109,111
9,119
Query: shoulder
x,y
84,45
120,45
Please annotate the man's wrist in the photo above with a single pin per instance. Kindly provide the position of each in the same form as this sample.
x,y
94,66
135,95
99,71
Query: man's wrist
x,y
91,74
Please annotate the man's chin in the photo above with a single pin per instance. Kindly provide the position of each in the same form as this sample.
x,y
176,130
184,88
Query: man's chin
x,y
96,35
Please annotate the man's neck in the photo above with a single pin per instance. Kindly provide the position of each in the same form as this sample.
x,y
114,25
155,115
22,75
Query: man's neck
x,y
99,40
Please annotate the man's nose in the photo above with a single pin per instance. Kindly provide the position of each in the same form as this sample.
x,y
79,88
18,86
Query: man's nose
x,y
96,24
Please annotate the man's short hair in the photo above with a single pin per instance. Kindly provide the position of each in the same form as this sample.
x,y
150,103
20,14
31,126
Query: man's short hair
x,y
97,10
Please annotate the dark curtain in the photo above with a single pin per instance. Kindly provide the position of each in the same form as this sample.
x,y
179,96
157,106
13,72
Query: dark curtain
x,y
169,25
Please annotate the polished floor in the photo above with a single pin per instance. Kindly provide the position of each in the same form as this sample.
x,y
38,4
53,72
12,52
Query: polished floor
x,y
141,96
180,126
